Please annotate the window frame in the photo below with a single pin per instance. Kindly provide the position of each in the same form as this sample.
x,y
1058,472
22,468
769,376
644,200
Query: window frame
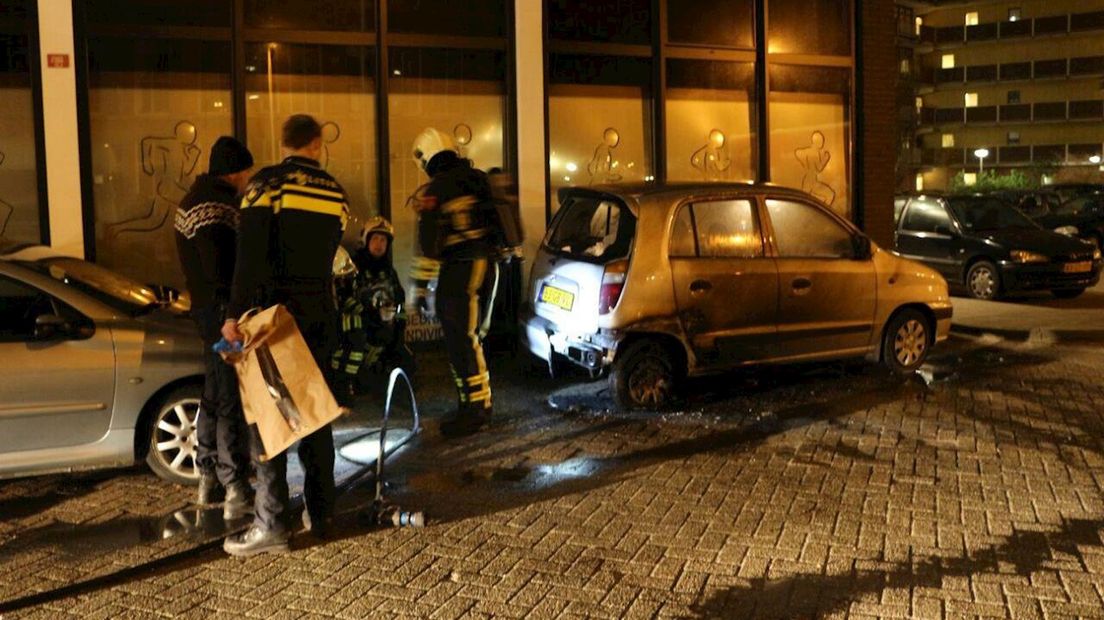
x,y
689,203
853,231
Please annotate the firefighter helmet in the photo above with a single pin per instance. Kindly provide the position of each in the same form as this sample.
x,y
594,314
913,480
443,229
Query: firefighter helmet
x,y
431,142
376,224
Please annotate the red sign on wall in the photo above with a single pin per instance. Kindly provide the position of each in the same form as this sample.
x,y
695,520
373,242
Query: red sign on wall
x,y
57,61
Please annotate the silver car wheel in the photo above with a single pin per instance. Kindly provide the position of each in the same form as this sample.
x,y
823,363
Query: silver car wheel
x,y
910,342
983,283
175,438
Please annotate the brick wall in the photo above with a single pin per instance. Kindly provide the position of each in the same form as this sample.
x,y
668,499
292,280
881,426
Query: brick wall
x,y
879,117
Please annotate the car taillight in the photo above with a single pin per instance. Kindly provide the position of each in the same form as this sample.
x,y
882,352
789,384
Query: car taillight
x,y
613,282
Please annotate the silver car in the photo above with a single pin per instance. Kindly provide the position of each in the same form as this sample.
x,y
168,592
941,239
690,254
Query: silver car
x,y
95,370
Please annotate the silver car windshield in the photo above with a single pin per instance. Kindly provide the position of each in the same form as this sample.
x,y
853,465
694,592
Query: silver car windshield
x,y
109,287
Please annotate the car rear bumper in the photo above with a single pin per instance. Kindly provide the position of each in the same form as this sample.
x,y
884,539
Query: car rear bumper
x,y
543,338
1017,277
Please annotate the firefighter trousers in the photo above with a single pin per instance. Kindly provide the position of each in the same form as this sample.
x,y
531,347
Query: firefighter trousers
x,y
465,292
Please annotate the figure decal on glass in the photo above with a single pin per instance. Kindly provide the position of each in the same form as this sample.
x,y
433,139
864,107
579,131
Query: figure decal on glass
x,y
814,159
712,159
463,134
331,133
171,161
603,166
6,210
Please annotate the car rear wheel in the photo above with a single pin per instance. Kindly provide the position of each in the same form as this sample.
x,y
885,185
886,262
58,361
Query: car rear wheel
x,y
908,338
983,281
171,452
643,376
1067,293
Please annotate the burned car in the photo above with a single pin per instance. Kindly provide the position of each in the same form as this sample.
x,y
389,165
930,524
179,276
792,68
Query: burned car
x,y
654,283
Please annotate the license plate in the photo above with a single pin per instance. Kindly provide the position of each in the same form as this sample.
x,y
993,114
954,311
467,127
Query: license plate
x,y
557,297
1081,267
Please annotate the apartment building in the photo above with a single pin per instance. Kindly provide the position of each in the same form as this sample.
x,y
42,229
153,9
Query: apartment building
x,y
1003,85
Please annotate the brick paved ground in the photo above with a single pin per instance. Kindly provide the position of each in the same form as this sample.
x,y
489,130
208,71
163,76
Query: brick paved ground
x,y
829,491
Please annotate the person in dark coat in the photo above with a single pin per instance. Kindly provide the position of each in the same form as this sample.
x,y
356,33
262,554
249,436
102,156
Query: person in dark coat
x,y
206,238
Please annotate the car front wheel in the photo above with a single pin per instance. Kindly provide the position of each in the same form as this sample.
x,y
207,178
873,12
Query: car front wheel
x,y
643,376
907,341
171,452
983,280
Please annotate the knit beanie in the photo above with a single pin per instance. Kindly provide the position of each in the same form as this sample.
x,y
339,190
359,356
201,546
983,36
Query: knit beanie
x,y
228,156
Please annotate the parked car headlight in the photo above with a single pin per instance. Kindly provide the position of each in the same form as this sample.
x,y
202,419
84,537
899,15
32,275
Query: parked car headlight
x,y
1023,256
1067,230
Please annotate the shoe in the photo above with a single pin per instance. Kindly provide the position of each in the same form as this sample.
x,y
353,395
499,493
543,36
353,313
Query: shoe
x,y
210,491
239,502
254,541
319,530
465,422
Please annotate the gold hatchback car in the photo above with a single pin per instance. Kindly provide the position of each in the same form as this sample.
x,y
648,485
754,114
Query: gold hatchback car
x,y
658,282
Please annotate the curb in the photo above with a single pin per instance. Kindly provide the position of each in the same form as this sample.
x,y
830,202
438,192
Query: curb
x,y
1038,334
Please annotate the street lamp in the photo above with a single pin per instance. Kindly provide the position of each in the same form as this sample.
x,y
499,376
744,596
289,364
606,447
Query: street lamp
x,y
981,154
1095,159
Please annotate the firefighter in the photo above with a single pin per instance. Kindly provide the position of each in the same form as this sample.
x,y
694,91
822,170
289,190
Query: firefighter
x,y
456,239
206,235
292,219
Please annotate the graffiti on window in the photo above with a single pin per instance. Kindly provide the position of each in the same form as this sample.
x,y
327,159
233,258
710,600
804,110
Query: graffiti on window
x,y
712,159
813,159
171,161
603,165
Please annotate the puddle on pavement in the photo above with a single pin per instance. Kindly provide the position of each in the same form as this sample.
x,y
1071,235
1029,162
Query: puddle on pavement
x,y
525,476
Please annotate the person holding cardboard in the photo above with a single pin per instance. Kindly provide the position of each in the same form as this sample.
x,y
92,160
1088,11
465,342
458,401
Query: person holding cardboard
x,y
292,218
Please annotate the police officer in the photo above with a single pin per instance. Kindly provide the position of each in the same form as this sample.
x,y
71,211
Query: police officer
x,y
292,218
206,235
456,233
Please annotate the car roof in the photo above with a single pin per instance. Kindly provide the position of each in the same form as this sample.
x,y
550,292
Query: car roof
x,y
15,251
644,191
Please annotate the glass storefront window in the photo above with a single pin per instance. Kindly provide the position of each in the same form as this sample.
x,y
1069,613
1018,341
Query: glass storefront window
x,y
461,92
810,137
336,85
707,22
610,21
342,15
710,121
809,27
19,206
472,18
159,12
599,121
155,109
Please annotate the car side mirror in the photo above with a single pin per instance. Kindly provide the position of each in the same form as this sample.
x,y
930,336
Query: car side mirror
x,y
862,247
51,327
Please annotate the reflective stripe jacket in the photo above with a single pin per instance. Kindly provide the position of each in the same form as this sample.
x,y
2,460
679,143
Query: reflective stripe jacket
x,y
292,218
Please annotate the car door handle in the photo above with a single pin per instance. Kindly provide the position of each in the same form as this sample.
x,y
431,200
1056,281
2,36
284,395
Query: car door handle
x,y
800,284
700,286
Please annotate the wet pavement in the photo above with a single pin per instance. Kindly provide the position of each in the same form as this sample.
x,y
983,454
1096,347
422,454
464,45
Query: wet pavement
x,y
974,488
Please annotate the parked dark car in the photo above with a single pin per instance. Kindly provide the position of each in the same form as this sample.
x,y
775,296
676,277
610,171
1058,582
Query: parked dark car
x,y
1081,217
1034,203
1067,191
982,244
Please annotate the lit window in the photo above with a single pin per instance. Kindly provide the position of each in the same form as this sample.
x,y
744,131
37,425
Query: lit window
x,y
919,103
948,140
1013,137
972,18
1014,14
971,100
919,25
948,61
905,66
970,178
919,182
